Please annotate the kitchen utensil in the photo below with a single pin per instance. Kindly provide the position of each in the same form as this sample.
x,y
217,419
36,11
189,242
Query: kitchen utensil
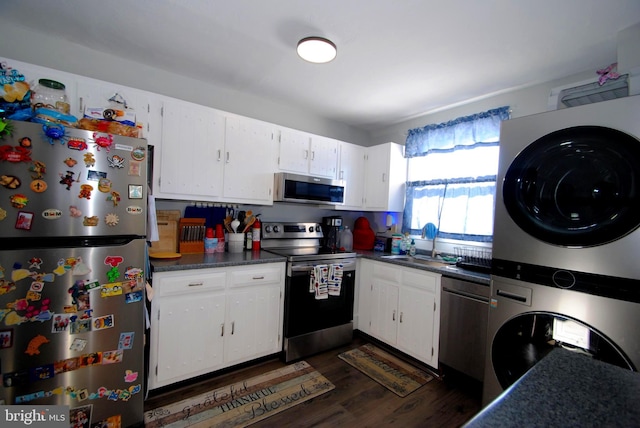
x,y
250,222
234,225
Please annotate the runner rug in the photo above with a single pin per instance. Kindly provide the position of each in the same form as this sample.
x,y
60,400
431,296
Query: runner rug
x,y
386,369
244,403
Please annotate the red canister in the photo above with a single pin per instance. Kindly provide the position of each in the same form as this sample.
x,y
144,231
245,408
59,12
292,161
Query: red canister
x,y
363,235
255,235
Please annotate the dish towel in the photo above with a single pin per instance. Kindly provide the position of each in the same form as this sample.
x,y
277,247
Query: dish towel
x,y
318,283
334,282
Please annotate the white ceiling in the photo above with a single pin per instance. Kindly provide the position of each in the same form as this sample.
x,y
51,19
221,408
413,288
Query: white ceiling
x,y
396,58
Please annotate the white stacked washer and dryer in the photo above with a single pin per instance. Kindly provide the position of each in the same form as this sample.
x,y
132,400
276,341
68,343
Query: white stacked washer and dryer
x,y
566,251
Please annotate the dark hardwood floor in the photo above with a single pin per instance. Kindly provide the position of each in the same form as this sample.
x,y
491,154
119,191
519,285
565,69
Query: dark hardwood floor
x,y
357,401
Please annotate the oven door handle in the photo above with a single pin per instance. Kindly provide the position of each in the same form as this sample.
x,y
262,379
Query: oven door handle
x,y
306,268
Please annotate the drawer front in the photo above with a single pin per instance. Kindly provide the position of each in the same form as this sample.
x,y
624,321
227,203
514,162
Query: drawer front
x,y
387,272
420,279
189,283
257,275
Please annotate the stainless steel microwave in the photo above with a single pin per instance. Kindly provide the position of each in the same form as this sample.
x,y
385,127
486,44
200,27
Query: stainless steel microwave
x,y
306,189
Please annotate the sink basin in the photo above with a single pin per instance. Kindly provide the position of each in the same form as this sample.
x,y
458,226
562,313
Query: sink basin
x,y
417,259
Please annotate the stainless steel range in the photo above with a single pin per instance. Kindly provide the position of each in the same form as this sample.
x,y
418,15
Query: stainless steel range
x,y
313,321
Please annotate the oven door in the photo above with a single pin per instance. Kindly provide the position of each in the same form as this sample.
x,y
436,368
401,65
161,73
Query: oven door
x,y
303,313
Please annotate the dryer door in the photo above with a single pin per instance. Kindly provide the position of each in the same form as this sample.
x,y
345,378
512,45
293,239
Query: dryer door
x,y
577,187
527,338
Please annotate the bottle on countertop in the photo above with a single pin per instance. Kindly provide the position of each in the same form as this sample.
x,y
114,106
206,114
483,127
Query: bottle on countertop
x,y
346,239
248,240
412,248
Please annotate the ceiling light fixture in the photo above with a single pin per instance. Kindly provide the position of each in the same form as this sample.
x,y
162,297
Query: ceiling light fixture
x,y
317,49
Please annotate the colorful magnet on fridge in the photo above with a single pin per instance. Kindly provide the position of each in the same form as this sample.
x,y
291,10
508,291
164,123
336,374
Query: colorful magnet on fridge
x,y
33,348
41,373
15,154
116,161
18,200
10,182
78,144
52,214
89,159
135,169
38,168
114,197
91,221
24,221
6,338
85,191
111,219
35,262
104,185
139,153
74,211
67,179
38,186
6,287
3,214
133,297
78,344
70,162
102,141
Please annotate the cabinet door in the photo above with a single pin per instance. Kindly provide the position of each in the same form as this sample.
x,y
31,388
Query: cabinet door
x,y
190,341
253,323
192,151
294,151
364,292
415,323
249,161
323,161
377,177
352,170
384,316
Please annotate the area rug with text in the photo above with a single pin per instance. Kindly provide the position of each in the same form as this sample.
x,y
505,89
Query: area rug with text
x,y
391,372
244,403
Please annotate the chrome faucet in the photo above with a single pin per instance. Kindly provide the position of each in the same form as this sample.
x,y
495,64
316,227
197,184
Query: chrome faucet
x,y
434,252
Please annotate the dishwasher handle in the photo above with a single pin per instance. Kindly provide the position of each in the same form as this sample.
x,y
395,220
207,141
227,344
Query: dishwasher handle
x,y
475,297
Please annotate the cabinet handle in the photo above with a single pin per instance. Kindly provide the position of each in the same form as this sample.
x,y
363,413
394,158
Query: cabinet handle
x,y
341,175
393,318
401,316
222,330
313,154
219,155
306,154
81,107
227,157
258,277
195,284
384,177
233,327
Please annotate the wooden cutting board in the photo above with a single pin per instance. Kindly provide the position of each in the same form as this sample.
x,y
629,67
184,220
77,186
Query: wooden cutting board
x,y
167,232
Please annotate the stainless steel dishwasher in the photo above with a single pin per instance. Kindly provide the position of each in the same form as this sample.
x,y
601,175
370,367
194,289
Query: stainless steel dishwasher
x,y
464,312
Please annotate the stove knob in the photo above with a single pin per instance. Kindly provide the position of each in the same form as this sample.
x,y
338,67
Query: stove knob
x,y
267,229
310,229
276,229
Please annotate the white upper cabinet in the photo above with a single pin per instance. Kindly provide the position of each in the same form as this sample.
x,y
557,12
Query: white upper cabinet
x,y
249,161
385,178
192,152
304,153
351,170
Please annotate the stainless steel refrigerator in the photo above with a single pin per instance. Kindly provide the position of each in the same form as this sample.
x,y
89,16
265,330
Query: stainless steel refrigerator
x,y
72,272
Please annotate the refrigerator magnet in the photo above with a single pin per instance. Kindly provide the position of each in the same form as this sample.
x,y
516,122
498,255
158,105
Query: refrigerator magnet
x,y
85,191
18,200
6,338
135,191
135,168
116,161
25,220
38,186
139,153
89,159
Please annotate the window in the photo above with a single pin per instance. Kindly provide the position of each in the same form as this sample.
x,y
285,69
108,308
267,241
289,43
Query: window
x,y
452,177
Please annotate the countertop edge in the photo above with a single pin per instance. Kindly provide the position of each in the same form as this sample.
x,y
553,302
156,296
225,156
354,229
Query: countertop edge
x,y
215,260
452,272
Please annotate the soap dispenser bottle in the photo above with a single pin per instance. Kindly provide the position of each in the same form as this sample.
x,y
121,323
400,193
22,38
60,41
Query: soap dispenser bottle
x,y
412,248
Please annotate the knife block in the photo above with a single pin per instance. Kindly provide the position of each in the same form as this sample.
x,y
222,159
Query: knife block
x,y
189,244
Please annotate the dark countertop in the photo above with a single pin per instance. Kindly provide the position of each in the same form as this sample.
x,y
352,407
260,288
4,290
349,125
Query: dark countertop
x,y
451,271
215,260
566,389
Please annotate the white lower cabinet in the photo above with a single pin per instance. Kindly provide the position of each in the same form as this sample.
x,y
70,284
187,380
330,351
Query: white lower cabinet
x,y
401,307
203,320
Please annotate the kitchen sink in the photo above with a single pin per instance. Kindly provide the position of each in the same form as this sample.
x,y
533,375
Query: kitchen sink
x,y
417,259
